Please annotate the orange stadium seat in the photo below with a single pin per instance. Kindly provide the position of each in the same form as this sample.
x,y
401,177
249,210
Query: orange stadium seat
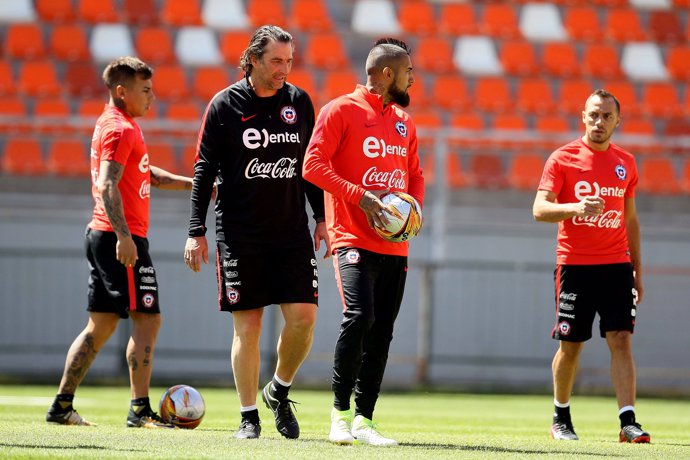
x,y
658,177
419,97
184,111
524,171
639,132
499,20
510,129
665,26
171,82
49,115
472,124
207,81
534,95
141,12
232,44
601,61
6,78
486,171
428,164
582,23
433,54
310,15
660,99
186,163
559,59
426,119
457,19
69,43
154,45
624,25
262,12
455,174
55,11
492,94
450,92
625,92
97,11
685,178
326,51
518,57
162,155
304,79
416,17
23,157
38,79
68,157
610,3
82,80
24,41
552,130
181,12
337,83
678,62
13,112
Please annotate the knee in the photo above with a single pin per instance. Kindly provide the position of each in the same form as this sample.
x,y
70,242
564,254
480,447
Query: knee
x,y
304,322
619,341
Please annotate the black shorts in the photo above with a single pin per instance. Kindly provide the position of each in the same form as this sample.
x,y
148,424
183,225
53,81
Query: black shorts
x,y
114,288
585,290
255,279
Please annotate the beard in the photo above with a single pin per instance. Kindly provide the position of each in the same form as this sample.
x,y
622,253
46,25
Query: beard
x,y
398,96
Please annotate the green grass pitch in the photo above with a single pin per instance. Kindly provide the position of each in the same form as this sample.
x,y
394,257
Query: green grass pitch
x,y
433,426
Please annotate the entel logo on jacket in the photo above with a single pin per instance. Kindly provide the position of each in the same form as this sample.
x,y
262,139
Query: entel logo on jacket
x,y
373,148
252,138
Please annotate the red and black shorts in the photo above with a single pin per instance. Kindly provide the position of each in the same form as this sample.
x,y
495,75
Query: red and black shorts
x,y
114,288
256,278
582,291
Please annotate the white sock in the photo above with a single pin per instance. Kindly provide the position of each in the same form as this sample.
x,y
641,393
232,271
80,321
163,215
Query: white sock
x,y
247,408
561,405
626,408
282,382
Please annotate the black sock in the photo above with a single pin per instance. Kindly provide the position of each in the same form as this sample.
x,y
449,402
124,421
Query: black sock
x,y
627,418
277,390
62,403
251,415
562,413
141,405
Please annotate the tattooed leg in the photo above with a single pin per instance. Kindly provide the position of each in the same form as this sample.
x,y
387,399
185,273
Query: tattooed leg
x,y
140,352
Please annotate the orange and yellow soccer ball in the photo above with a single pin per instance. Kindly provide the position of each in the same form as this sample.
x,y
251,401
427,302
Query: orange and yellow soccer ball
x,y
182,406
408,221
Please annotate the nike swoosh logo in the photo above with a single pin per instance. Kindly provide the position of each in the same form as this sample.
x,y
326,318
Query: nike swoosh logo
x,y
369,125
248,118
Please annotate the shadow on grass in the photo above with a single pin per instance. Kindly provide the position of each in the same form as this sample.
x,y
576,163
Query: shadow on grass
x,y
76,447
503,449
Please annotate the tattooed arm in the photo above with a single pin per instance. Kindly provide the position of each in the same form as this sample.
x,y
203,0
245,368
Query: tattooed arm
x,y
108,178
163,179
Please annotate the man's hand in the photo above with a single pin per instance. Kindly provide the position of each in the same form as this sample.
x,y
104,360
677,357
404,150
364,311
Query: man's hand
x,y
373,208
321,233
126,251
590,206
195,250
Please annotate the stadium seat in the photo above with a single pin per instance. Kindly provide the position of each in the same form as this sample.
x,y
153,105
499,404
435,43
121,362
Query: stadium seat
x,y
187,159
559,59
180,13
91,108
499,20
524,171
643,61
207,81
678,62
97,11
224,14
23,157
69,158
68,42
625,92
509,132
82,80
638,135
433,54
13,112
419,96
553,132
518,58
541,22
140,12
493,94
184,111
375,17
610,3
534,96
50,116
582,23
326,51
17,11
197,46
665,26
601,61
624,25
457,19
428,164
685,178
449,92
471,125
337,83
310,16
55,11
232,45
660,99
154,45
304,79
110,41
24,41
455,174
38,79
171,82
486,171
6,78
658,177
416,17
476,55
162,155
262,12
426,119
572,95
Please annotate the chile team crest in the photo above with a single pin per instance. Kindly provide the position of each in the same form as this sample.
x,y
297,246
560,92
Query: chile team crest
x,y
621,173
401,128
288,114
